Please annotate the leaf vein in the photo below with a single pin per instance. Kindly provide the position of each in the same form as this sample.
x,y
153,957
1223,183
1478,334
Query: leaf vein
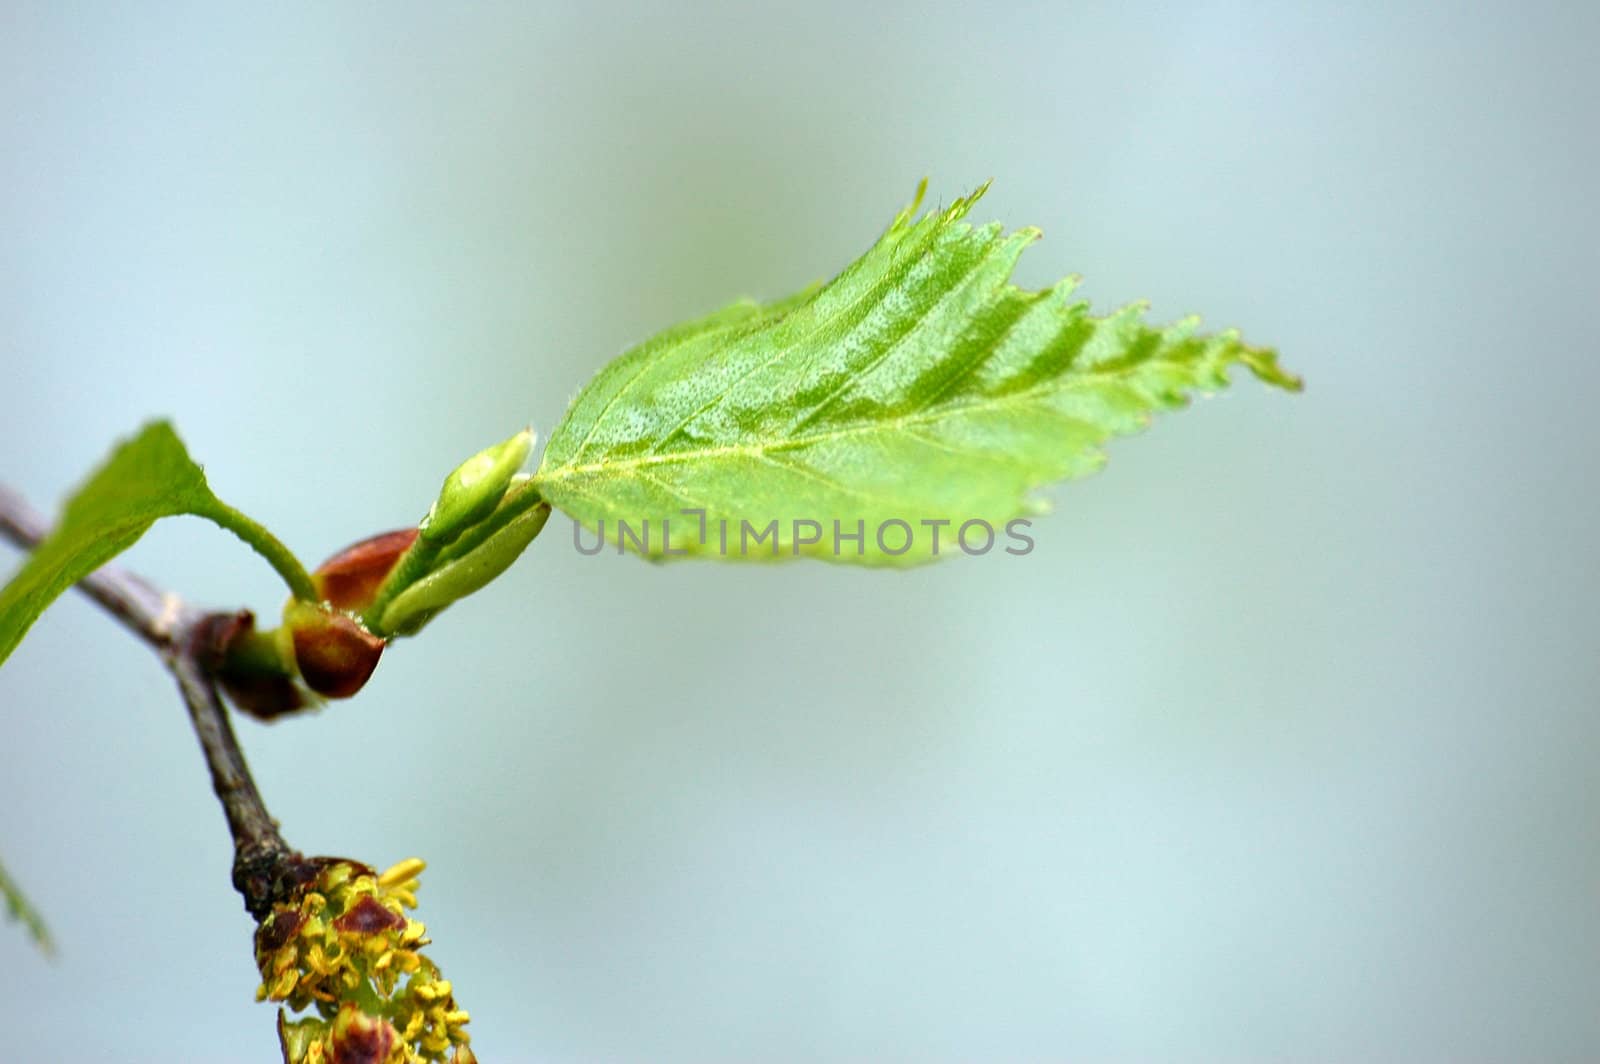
x,y
973,274
878,292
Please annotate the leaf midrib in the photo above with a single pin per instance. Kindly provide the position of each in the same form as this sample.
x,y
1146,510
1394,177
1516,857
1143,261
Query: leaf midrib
x,y
623,465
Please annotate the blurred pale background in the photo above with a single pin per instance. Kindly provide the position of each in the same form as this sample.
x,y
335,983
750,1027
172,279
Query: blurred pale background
x,y
1279,747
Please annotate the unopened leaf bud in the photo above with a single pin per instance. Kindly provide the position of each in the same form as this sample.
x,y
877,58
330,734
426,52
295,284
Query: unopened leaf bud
x,y
351,578
252,667
334,653
493,546
473,491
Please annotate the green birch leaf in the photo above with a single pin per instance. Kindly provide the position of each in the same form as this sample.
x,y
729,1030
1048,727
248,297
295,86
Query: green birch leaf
x,y
146,478
18,909
917,391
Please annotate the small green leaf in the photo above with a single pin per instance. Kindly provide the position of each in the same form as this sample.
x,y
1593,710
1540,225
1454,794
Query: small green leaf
x,y
148,477
474,489
464,541
917,391
477,556
19,909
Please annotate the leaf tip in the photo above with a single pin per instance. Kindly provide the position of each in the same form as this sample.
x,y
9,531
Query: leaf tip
x,y
1263,362
958,210
1062,290
19,909
909,211
953,213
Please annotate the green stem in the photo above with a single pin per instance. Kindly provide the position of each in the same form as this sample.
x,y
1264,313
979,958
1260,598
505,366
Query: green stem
x,y
258,653
268,546
414,564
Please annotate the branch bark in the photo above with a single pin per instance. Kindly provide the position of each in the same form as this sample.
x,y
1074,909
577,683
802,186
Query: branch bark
x,y
190,642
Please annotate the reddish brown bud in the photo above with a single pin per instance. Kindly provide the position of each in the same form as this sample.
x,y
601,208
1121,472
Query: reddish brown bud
x,y
334,653
351,578
249,666
263,696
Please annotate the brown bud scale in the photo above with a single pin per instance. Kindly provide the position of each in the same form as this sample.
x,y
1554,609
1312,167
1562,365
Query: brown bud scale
x,y
335,654
351,578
